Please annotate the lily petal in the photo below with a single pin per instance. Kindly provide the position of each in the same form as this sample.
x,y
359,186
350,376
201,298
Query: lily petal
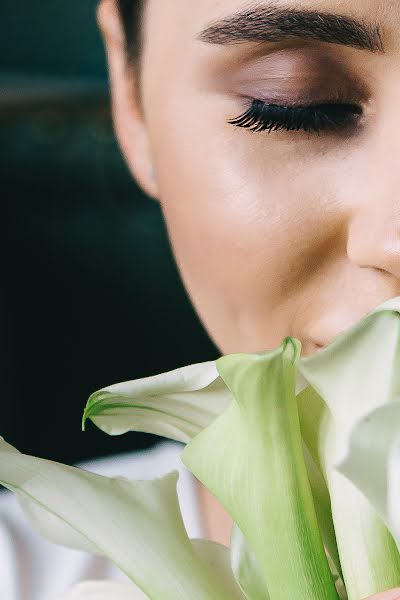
x,y
313,412
355,375
104,590
217,558
373,462
136,524
246,569
357,372
175,405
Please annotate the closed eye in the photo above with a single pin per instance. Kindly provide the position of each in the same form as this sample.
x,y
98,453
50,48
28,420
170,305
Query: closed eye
x,y
262,116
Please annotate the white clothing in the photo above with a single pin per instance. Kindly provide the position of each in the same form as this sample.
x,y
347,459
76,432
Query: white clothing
x,y
32,568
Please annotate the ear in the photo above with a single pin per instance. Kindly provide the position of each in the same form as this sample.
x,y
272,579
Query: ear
x,y
129,123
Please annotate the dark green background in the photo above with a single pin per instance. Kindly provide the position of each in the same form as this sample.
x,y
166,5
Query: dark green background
x,y
90,291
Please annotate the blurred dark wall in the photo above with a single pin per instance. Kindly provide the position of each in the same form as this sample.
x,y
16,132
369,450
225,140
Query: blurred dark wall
x,y
51,36
90,291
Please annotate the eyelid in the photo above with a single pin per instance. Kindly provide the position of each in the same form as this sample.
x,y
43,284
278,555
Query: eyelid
x,y
299,92
297,79
298,60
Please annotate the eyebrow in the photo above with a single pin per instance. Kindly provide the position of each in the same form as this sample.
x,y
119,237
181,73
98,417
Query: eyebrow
x,y
274,24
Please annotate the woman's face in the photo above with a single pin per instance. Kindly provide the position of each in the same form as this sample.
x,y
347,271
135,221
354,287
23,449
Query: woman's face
x,y
275,232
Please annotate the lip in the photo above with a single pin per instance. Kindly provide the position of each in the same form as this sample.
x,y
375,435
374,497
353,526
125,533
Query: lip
x,y
319,347
323,341
310,347
319,343
325,331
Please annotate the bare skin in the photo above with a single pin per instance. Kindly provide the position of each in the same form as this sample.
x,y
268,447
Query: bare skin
x,y
217,523
274,233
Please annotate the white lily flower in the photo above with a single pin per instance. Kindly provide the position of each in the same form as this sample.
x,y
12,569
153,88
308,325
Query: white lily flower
x,y
104,590
350,379
155,405
176,405
136,524
283,442
214,556
336,389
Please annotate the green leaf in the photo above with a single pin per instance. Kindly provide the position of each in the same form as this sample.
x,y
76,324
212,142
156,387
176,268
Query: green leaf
x,y
251,459
136,524
175,405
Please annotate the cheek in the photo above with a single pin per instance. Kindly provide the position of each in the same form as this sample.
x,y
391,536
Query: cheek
x,y
246,221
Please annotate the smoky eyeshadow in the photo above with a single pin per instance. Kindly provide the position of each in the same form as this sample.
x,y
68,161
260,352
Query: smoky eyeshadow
x,y
294,74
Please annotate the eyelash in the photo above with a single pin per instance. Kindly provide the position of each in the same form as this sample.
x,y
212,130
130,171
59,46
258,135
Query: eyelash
x,y
261,116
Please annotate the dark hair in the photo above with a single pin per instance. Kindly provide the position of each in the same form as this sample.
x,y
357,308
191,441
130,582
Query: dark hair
x,y
131,15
